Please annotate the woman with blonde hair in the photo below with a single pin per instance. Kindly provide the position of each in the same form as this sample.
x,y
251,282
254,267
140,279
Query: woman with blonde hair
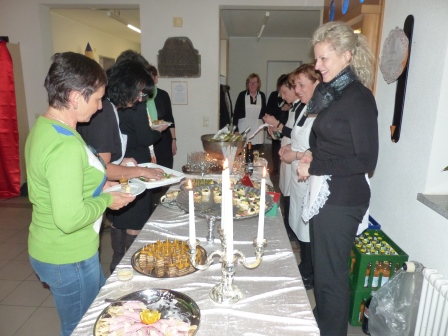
x,y
250,107
346,150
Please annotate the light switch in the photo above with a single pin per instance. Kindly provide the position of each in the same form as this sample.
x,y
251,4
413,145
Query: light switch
x,y
205,121
178,21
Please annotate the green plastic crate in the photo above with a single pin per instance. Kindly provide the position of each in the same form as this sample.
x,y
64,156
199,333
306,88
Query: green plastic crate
x,y
362,261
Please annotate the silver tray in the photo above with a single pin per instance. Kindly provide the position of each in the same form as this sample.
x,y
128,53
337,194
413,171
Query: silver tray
x,y
152,274
172,304
212,209
170,203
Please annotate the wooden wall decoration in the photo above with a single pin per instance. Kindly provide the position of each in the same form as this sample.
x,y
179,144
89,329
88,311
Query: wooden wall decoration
x,y
178,58
400,92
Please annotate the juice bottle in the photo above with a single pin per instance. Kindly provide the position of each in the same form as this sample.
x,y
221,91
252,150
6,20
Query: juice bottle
x,y
386,273
366,279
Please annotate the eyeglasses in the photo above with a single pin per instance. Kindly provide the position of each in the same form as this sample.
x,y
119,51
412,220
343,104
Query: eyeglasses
x,y
141,95
253,82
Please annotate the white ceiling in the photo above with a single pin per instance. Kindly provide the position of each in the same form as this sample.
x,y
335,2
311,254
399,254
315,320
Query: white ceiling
x,y
235,22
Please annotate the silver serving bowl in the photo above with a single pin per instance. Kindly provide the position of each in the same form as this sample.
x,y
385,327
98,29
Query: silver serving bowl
x,y
214,148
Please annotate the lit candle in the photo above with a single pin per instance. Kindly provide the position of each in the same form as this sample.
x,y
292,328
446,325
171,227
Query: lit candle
x,y
192,224
229,225
262,207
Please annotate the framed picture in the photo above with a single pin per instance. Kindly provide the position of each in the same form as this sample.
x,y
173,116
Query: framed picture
x,y
179,93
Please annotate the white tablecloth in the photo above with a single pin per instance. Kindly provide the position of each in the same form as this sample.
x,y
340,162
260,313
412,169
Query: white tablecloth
x,y
274,299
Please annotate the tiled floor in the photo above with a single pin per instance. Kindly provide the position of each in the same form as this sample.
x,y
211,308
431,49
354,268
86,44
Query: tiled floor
x,y
26,306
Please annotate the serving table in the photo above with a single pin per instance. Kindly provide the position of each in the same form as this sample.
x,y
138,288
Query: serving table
x,y
274,298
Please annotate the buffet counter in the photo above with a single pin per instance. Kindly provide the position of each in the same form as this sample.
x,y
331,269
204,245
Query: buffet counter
x,y
274,299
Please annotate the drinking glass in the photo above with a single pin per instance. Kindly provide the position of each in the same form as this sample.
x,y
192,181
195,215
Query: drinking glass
x,y
125,275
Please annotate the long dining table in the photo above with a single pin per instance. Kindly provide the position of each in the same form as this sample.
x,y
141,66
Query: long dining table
x,y
274,298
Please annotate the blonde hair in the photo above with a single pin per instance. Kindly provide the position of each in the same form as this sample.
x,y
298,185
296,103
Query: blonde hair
x,y
252,76
342,38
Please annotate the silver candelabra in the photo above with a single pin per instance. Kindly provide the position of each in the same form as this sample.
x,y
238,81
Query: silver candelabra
x,y
226,292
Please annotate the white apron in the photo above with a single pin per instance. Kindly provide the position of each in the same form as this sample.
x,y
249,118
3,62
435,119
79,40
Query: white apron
x,y
123,138
285,168
300,137
251,120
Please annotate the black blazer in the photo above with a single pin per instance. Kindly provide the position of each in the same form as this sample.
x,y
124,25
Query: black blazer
x,y
134,123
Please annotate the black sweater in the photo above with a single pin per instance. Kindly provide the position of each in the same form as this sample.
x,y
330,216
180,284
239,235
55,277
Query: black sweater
x,y
347,145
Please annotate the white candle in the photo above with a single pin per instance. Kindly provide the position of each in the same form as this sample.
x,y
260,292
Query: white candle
x,y
229,226
225,177
192,224
260,233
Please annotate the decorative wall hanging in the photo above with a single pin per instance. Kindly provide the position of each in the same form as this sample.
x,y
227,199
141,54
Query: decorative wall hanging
x,y
178,58
394,65
9,133
394,56
179,93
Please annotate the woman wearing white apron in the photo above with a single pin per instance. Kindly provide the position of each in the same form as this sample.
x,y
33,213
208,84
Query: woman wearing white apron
x,y
288,94
250,107
305,79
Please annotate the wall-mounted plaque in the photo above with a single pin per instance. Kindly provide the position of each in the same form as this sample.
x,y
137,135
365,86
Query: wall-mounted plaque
x,y
178,58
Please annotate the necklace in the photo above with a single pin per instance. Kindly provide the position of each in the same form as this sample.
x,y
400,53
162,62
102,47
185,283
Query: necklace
x,y
61,121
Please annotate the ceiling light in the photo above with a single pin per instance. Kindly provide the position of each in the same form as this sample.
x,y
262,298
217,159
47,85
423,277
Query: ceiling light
x,y
116,16
265,21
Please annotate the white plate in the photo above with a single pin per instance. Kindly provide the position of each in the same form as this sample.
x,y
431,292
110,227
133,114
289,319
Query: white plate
x,y
177,176
136,188
156,127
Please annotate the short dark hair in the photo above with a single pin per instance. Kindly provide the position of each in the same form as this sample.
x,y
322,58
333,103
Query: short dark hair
x,y
135,56
127,79
72,72
282,80
153,70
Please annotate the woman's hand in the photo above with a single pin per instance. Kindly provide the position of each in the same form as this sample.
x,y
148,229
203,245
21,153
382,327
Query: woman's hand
x,y
152,173
174,147
304,166
120,200
283,149
130,160
288,155
268,119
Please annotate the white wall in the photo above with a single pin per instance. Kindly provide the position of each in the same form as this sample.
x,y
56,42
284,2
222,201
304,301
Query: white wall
x,y
201,25
103,44
414,164
247,56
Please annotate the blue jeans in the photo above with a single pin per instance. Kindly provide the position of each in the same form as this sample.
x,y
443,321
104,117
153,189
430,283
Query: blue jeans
x,y
74,287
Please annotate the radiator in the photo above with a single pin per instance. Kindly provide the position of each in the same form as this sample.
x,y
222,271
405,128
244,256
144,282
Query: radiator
x,y
432,316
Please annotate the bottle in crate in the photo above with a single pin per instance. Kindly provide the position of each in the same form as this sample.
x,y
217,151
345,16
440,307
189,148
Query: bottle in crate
x,y
365,322
376,275
366,279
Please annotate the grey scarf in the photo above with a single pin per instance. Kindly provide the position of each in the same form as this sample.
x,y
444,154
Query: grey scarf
x,y
326,93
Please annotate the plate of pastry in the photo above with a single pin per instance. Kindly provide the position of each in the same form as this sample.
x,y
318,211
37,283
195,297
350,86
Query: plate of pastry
x,y
170,176
128,186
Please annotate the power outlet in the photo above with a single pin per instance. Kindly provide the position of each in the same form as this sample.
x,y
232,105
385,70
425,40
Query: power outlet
x,y
205,121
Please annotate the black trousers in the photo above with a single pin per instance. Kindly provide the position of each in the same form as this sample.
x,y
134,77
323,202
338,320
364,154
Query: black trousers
x,y
306,264
332,233
276,145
